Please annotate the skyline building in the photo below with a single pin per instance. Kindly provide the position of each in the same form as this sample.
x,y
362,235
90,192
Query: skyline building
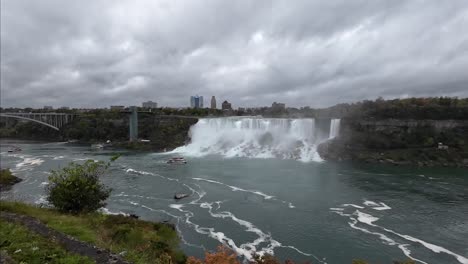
x,y
213,102
196,101
278,106
149,104
226,105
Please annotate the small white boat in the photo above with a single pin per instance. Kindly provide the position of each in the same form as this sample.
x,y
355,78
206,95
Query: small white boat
x,y
177,160
179,196
97,146
14,149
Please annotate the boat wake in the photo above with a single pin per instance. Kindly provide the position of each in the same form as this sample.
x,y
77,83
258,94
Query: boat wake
x,y
238,189
365,222
234,188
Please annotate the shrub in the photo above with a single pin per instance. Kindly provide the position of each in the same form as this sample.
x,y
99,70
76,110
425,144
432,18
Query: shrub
x,y
223,256
76,188
6,178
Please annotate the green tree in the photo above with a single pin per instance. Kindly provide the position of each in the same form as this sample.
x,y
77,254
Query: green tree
x,y
77,188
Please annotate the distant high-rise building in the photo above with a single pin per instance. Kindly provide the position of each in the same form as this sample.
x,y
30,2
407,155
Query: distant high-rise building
x,y
48,107
213,102
149,104
226,105
196,101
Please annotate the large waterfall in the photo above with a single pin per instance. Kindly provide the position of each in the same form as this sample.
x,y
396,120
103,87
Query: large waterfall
x,y
258,138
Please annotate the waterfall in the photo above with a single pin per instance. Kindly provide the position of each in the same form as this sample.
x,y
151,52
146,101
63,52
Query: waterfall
x,y
334,128
255,138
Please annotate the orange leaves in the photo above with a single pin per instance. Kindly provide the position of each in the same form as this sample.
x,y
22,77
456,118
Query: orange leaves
x,y
222,256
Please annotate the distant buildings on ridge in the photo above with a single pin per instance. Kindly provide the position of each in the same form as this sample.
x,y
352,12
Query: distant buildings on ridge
x,y
278,106
196,101
117,107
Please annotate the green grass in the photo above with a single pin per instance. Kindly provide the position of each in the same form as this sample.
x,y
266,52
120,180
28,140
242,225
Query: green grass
x,y
144,242
24,246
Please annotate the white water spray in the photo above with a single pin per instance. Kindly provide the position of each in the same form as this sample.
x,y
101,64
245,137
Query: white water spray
x,y
255,138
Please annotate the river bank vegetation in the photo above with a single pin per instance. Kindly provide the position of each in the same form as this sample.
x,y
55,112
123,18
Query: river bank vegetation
x,y
7,179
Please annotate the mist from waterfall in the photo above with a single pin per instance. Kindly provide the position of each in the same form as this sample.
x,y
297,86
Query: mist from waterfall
x,y
257,138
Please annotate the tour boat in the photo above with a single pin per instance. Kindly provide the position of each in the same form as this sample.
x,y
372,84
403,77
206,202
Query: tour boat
x,y
177,160
14,149
179,196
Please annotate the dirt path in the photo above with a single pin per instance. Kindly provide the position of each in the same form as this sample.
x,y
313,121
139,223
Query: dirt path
x,y
69,243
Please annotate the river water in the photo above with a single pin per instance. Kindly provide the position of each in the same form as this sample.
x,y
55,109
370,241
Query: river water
x,y
295,208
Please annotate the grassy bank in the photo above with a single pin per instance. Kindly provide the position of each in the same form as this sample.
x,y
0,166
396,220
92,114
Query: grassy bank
x,y
24,246
138,241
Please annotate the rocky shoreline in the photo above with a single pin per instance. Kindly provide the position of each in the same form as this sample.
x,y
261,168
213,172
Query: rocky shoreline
x,y
7,180
340,151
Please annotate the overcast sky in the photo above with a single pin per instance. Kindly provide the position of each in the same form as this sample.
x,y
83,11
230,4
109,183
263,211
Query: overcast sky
x,y
93,53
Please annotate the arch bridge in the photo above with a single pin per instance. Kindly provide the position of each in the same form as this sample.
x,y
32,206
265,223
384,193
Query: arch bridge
x,y
52,120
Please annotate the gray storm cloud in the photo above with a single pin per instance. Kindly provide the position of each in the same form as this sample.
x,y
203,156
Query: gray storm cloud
x,y
95,53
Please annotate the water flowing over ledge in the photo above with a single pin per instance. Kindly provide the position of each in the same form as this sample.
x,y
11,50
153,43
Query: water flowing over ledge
x,y
254,137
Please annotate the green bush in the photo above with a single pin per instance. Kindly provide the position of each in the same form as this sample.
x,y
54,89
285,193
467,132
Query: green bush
x,y
6,178
76,188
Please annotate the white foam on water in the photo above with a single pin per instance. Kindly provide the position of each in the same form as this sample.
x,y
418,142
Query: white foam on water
x,y
385,239
235,188
354,205
253,137
407,252
41,200
28,162
368,219
365,218
44,183
151,209
377,206
130,170
247,250
430,246
141,196
109,212
176,206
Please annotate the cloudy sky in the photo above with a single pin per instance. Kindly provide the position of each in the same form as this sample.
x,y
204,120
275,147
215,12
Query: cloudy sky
x,y
94,53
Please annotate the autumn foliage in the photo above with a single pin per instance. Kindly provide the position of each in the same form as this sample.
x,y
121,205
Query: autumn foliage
x,y
225,255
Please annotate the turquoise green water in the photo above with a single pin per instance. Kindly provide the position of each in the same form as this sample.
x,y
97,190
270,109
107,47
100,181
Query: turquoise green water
x,y
318,211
